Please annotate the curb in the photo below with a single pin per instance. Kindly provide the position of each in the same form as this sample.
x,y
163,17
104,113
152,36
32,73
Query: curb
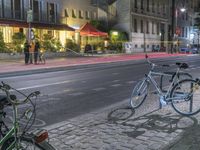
x,y
72,66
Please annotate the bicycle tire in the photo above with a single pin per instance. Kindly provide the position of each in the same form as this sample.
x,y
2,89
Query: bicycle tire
x,y
185,97
139,93
28,141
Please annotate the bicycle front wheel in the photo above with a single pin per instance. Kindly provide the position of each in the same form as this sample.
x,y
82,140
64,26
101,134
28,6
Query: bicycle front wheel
x,y
139,93
185,97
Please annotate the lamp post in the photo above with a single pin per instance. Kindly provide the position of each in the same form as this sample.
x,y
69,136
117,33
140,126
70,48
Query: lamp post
x,y
172,25
29,20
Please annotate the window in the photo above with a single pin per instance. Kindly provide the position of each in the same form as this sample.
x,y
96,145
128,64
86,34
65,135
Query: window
x,y
36,10
147,27
186,32
2,4
73,13
183,31
158,28
158,7
80,13
135,4
66,13
186,16
147,5
153,6
135,25
141,26
87,15
51,12
164,9
142,4
153,30
94,15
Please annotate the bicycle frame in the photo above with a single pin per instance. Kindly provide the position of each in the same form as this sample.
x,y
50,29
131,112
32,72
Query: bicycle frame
x,y
13,131
150,78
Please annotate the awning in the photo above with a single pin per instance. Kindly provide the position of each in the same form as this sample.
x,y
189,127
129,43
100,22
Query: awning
x,y
89,30
37,25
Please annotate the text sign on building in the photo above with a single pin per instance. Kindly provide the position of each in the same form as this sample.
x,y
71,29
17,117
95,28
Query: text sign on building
x,y
29,16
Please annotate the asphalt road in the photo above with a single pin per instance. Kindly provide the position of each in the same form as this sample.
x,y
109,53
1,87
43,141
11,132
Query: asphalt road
x,y
70,93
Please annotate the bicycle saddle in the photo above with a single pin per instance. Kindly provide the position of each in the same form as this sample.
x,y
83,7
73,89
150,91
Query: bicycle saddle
x,y
182,65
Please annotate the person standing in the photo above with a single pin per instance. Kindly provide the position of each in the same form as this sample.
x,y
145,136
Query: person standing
x,y
26,52
36,51
31,51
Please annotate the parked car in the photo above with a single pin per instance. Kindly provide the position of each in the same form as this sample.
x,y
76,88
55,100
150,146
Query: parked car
x,y
194,50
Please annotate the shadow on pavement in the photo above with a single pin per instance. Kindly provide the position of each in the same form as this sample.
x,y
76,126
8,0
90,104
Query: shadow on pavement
x,y
161,123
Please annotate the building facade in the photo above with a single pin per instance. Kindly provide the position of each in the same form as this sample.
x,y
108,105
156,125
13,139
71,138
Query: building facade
x,y
149,23
44,18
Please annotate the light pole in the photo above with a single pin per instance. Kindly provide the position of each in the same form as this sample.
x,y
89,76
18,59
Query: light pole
x,y
172,25
29,20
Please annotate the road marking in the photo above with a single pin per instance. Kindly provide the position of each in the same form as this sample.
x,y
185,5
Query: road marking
x,y
116,85
60,92
130,82
115,73
115,80
43,85
76,94
99,89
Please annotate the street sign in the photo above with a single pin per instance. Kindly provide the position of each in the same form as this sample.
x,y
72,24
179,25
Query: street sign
x,y
29,16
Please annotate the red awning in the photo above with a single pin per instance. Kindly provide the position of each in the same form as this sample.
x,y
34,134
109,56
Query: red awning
x,y
23,24
89,30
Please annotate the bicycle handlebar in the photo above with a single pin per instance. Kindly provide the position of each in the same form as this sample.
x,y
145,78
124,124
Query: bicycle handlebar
x,y
154,65
6,88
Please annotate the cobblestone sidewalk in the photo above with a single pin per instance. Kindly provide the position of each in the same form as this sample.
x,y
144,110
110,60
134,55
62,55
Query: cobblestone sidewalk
x,y
118,128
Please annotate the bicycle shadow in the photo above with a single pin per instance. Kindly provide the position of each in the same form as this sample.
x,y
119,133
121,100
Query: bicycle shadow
x,y
154,122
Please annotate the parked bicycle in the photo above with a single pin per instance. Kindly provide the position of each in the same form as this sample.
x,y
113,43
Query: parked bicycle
x,y
17,138
182,94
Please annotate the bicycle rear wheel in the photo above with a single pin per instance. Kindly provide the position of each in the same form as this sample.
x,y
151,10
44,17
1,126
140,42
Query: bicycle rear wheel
x,y
185,97
139,93
27,143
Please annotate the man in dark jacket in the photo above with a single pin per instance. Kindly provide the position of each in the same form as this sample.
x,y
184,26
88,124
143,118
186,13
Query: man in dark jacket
x,y
26,52
36,51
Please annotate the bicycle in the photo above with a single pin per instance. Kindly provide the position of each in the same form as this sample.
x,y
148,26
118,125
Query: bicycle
x,y
17,138
182,94
42,58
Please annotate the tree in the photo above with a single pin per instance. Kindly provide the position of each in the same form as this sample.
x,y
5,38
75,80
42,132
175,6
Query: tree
x,y
51,44
18,40
72,46
2,43
100,25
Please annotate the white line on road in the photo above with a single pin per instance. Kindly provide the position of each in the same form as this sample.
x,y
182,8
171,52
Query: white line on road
x,y
43,85
116,85
76,94
99,89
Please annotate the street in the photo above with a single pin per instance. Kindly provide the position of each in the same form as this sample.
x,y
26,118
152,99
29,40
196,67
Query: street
x,y
72,92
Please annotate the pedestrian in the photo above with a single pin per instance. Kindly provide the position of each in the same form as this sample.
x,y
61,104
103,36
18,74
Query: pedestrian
x,y
31,51
26,52
36,51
